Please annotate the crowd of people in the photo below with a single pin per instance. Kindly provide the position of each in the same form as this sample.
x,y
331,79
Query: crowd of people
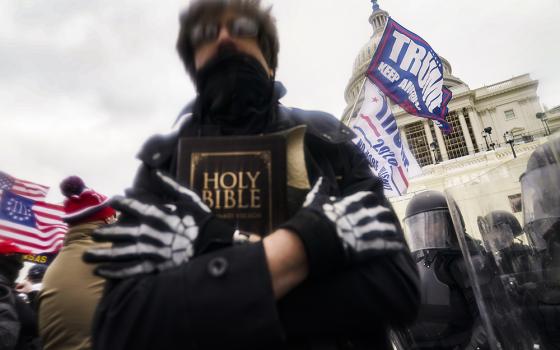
x,y
157,269
53,306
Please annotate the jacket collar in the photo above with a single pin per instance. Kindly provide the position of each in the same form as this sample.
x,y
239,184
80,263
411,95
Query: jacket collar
x,y
158,149
319,124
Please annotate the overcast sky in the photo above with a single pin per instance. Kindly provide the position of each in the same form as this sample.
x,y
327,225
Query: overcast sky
x,y
84,83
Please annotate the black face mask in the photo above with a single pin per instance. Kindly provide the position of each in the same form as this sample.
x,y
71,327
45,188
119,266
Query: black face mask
x,y
235,95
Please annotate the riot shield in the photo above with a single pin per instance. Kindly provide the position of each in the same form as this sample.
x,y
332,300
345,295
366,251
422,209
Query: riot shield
x,y
512,279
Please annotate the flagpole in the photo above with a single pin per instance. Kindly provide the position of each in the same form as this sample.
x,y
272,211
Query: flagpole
x,y
357,99
362,86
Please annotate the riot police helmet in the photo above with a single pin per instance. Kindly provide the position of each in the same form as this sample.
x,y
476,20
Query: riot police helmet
x,y
428,224
499,228
540,192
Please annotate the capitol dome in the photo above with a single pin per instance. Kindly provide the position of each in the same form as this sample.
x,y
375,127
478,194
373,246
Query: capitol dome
x,y
449,79
378,20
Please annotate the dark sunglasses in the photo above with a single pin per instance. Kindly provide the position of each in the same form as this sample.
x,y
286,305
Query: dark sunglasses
x,y
240,27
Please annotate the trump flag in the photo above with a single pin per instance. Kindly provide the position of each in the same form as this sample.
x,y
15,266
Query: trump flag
x,y
410,73
33,225
379,139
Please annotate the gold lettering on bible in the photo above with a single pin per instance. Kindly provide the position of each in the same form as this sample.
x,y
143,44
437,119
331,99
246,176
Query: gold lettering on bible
x,y
229,190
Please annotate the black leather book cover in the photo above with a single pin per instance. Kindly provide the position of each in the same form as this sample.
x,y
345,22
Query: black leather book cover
x,y
241,178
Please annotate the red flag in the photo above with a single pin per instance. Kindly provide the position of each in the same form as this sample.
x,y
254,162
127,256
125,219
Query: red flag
x,y
22,187
33,225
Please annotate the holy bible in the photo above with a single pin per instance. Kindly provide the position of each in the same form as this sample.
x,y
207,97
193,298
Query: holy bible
x,y
242,179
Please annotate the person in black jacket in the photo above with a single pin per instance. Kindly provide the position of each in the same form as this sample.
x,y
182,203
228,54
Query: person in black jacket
x,y
540,294
18,321
336,275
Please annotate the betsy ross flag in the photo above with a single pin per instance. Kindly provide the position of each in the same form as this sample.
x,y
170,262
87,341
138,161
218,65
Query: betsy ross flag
x,y
22,187
378,137
32,225
410,73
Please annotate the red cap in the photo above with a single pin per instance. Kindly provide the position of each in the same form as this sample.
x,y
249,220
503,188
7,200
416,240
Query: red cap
x,y
84,204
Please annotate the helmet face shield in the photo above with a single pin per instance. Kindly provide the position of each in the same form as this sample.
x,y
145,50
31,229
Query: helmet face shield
x,y
539,231
428,230
495,235
541,202
541,194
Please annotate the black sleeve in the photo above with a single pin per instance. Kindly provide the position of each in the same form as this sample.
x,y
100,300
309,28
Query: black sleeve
x,y
382,292
223,298
358,300
9,322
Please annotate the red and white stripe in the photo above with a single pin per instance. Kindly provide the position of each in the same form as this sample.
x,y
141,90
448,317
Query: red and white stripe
x,y
46,237
29,189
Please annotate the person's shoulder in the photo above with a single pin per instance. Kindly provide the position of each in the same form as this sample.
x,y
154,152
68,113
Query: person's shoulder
x,y
6,291
185,115
321,124
158,149
312,116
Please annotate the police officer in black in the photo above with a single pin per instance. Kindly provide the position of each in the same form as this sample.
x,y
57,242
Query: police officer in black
x,y
503,236
449,317
512,265
540,190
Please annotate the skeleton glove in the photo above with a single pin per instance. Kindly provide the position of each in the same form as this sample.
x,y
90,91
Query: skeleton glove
x,y
337,231
152,234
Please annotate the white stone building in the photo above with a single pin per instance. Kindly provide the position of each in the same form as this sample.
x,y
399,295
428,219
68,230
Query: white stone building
x,y
472,148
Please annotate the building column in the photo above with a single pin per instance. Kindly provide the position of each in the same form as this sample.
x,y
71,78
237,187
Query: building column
x,y
524,106
491,117
441,144
466,133
486,120
429,138
477,128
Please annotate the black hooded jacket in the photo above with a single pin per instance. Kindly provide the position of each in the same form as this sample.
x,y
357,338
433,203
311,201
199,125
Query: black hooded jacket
x,y
200,306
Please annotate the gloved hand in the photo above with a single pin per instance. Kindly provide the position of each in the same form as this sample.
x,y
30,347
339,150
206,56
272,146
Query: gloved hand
x,y
152,234
336,231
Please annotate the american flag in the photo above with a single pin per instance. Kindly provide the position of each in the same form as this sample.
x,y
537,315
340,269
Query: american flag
x,y
33,225
22,187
